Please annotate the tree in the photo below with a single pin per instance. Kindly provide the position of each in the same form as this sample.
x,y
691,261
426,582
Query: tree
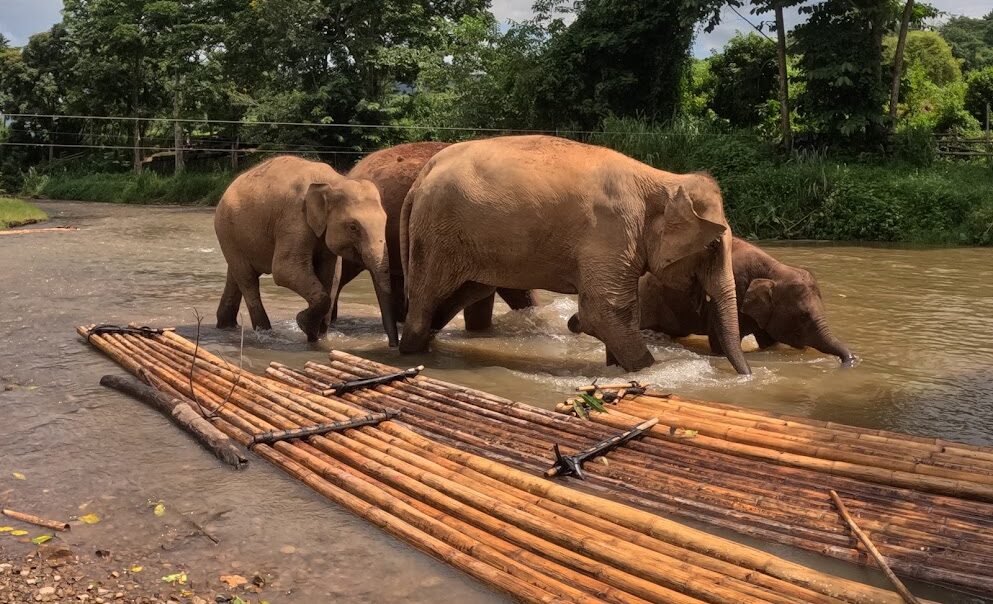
x,y
841,57
621,57
971,40
745,75
929,52
979,94
908,10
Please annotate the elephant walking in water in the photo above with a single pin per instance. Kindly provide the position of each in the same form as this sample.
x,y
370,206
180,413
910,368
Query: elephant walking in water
x,y
394,170
540,212
299,220
776,303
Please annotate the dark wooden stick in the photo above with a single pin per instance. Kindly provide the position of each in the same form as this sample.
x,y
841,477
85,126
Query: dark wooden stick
x,y
55,525
901,589
183,415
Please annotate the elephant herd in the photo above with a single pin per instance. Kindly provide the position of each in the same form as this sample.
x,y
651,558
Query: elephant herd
x,y
443,228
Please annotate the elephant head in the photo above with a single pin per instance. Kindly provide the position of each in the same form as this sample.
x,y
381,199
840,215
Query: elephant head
x,y
691,240
789,308
348,214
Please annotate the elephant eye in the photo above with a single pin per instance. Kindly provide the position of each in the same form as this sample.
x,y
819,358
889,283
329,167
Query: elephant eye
x,y
354,228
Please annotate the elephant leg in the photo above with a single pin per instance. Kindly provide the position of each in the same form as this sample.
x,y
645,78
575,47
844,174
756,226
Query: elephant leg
x,y
465,296
227,309
517,299
422,307
248,282
479,315
329,270
614,325
764,340
349,270
296,272
399,297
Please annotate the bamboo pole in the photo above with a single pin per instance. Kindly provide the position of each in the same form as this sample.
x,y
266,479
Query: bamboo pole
x,y
293,396
828,513
914,553
55,525
880,560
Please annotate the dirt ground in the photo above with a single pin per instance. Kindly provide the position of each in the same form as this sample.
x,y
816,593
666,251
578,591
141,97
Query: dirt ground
x,y
54,572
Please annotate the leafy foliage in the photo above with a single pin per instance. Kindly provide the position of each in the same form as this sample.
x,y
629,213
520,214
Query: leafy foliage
x,y
971,40
928,52
979,93
841,58
744,79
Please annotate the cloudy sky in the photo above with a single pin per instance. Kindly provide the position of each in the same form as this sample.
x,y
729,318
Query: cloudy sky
x,y
21,18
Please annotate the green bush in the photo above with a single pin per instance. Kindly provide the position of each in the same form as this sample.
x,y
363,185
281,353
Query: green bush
x,y
150,188
812,195
979,93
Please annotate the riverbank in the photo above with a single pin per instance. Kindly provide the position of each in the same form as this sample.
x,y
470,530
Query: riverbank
x,y
767,195
15,213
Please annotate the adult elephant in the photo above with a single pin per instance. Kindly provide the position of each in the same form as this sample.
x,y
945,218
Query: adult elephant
x,y
776,303
299,220
540,212
394,170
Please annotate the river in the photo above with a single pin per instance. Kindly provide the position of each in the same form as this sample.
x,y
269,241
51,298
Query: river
x,y
920,322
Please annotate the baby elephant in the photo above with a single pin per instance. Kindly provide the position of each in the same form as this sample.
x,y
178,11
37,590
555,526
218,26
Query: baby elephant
x,y
776,303
298,220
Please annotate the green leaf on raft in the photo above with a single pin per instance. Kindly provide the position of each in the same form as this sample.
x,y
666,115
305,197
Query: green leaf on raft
x,y
593,402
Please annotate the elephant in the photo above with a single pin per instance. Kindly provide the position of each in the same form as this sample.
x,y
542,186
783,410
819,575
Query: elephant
x,y
776,303
542,212
300,220
393,170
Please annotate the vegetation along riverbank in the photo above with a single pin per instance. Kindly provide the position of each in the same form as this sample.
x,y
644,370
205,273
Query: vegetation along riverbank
x,y
14,212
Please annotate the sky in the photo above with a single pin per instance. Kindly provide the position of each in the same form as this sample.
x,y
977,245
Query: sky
x,y
19,19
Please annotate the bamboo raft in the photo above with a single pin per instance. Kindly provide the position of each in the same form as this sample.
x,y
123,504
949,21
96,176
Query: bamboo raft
x,y
532,538
924,535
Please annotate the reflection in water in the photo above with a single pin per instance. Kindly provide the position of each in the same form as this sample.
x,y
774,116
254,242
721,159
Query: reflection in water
x,y
920,321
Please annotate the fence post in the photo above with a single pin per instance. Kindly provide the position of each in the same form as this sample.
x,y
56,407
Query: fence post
x,y
989,145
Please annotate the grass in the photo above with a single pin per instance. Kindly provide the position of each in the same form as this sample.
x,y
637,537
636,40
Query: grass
x,y
192,188
819,196
14,212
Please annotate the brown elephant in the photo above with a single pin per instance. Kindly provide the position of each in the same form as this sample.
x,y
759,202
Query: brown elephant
x,y
394,170
776,303
299,220
541,212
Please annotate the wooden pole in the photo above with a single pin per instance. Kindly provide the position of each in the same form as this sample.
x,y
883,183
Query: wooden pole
x,y
908,597
55,525
183,415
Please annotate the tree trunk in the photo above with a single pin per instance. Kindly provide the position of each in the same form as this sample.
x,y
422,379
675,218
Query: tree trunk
x,y
901,42
177,128
784,86
137,147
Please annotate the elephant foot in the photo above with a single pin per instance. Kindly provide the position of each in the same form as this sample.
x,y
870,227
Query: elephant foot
x,y
227,324
632,365
574,324
310,325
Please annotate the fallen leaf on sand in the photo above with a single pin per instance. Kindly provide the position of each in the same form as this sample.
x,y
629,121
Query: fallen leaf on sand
x,y
41,539
19,476
179,578
18,533
159,509
137,568
233,580
90,518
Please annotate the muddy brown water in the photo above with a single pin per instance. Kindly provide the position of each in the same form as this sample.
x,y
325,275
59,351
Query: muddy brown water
x,y
920,321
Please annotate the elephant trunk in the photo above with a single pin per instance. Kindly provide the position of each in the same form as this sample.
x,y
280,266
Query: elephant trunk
x,y
719,285
378,265
827,343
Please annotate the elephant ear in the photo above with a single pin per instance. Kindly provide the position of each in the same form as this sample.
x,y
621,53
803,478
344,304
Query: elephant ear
x,y
315,207
683,231
757,303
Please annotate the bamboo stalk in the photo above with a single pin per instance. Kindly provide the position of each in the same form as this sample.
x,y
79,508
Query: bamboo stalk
x,y
55,525
880,560
184,416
